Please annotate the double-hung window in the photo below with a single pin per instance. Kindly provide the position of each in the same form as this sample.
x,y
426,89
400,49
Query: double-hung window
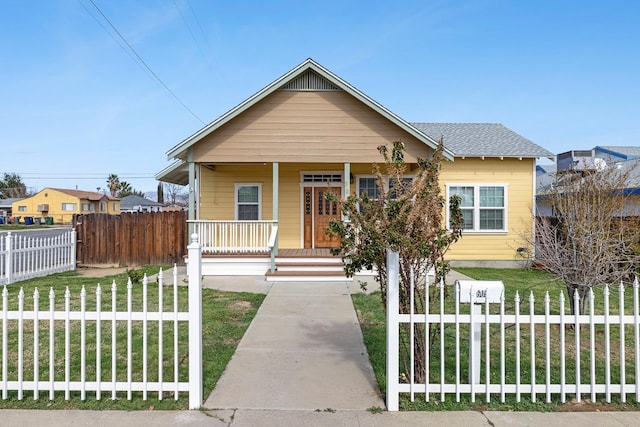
x,y
484,207
248,200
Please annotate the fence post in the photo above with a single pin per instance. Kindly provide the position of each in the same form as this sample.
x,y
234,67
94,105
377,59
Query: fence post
x,y
8,260
393,337
74,242
194,273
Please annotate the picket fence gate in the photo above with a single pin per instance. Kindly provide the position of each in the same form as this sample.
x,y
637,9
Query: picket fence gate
x,y
95,321
23,257
528,340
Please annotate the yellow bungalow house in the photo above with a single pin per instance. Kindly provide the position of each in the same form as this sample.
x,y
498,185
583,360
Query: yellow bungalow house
x,y
257,175
61,204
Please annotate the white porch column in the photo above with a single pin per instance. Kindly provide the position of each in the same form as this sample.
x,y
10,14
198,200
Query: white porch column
x,y
275,197
276,182
192,189
347,181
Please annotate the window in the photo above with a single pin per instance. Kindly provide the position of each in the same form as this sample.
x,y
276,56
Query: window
x,y
69,206
86,207
369,186
115,207
102,206
248,202
483,207
22,208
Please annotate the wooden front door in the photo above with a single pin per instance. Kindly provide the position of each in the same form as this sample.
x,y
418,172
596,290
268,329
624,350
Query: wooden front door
x,y
318,211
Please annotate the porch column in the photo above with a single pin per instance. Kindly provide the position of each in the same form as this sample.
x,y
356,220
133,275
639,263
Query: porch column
x,y
275,200
275,176
192,190
347,181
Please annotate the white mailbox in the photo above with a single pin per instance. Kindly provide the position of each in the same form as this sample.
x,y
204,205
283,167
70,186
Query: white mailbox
x,y
477,293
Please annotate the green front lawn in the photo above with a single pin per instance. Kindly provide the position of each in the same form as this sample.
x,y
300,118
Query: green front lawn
x,y
525,282
226,316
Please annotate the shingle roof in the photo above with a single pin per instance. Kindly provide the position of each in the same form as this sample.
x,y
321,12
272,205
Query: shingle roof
x,y
128,202
87,195
482,140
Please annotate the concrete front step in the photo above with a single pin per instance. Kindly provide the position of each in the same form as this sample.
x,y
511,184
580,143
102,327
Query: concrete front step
x,y
306,276
309,266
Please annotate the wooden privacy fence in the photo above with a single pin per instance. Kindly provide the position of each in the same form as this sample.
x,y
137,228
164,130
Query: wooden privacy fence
x,y
103,345
534,353
24,257
132,238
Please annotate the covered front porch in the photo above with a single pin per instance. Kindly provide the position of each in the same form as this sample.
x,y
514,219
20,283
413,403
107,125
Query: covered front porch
x,y
245,248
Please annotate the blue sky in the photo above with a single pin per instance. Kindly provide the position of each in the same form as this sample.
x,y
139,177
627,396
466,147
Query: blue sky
x,y
77,105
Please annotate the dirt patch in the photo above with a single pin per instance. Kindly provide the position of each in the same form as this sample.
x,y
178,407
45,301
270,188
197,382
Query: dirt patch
x,y
587,405
240,307
100,271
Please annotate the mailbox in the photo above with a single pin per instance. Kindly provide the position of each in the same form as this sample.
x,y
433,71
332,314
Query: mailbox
x,y
480,291
477,293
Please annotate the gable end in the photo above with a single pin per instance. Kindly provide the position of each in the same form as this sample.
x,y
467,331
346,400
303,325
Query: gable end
x,y
310,80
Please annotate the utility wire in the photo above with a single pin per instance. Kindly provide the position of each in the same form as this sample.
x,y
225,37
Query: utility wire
x,y
145,64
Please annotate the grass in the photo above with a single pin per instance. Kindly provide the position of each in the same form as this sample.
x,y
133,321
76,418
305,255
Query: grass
x,y
226,316
526,282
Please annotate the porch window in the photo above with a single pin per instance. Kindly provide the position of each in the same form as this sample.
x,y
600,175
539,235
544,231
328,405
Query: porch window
x,y
248,202
483,206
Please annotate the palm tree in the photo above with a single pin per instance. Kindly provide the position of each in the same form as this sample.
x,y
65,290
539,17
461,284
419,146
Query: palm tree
x,y
113,182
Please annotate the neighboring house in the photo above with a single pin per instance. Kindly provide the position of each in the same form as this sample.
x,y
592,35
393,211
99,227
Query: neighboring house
x,y
626,159
134,203
61,204
274,157
6,207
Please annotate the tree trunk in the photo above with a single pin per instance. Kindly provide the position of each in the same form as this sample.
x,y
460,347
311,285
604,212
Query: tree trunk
x,y
583,293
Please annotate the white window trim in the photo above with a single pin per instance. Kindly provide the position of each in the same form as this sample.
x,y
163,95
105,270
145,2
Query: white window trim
x,y
476,207
235,197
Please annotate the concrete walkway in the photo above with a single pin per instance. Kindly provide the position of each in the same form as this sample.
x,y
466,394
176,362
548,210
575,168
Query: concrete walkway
x,y
303,351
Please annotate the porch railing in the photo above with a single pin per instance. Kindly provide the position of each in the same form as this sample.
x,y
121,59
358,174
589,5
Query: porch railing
x,y
235,237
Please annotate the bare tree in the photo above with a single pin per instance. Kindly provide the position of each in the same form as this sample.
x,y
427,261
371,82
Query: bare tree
x,y
174,194
591,236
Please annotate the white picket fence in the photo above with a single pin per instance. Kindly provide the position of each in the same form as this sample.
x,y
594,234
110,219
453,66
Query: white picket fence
x,y
35,332
23,257
599,364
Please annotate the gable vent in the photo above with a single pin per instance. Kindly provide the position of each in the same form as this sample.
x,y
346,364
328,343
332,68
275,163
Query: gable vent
x,y
310,80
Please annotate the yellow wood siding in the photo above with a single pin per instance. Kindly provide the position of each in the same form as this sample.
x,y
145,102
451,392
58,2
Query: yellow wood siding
x,y
518,176
298,127
217,199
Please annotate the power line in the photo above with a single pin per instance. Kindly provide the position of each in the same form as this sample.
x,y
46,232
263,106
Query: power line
x,y
145,64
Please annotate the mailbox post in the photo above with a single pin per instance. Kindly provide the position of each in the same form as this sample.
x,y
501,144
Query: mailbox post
x,y
477,293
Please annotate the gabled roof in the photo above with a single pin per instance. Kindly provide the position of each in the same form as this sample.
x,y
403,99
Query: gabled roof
x,y
179,150
132,200
86,195
482,140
